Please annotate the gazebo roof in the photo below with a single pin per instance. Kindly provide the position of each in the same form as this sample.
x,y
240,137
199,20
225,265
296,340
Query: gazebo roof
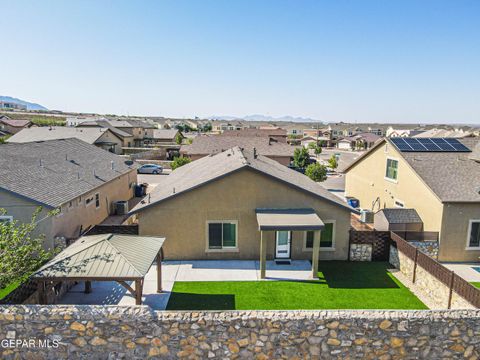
x,y
288,219
104,257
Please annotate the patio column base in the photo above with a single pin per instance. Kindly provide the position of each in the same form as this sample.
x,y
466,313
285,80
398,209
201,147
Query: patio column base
x,y
315,253
263,255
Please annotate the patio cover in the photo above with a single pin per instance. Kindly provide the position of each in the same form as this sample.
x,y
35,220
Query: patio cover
x,y
288,219
105,257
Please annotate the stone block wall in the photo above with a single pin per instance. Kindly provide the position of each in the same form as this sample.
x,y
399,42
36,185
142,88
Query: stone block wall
x,y
428,247
360,252
112,332
431,288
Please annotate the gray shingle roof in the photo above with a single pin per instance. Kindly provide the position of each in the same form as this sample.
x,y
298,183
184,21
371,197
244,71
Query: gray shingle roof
x,y
452,176
213,144
89,135
402,216
104,256
54,172
167,134
106,124
210,168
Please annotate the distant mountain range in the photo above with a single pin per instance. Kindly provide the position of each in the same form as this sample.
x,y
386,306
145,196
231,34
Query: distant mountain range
x,y
259,117
29,105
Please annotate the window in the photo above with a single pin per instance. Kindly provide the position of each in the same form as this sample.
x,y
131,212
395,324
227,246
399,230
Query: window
x,y
222,234
327,237
399,203
88,200
392,169
473,241
97,200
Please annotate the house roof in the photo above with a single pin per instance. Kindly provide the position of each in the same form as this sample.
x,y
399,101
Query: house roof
x,y
105,124
108,256
213,144
401,216
43,133
15,123
368,137
288,219
55,172
169,134
452,176
213,167
256,132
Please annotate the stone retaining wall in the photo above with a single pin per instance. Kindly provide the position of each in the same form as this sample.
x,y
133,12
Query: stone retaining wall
x,y
433,289
112,332
360,252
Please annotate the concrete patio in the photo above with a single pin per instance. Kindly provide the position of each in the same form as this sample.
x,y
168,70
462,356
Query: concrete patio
x,y
465,270
112,293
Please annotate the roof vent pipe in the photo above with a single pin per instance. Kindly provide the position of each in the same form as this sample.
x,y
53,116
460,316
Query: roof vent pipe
x,y
113,166
255,153
41,164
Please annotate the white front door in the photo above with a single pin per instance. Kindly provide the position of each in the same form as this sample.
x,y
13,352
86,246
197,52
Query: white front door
x,y
282,250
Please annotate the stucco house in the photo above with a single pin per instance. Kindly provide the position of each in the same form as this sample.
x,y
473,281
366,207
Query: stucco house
x,y
438,177
80,180
240,205
12,126
101,137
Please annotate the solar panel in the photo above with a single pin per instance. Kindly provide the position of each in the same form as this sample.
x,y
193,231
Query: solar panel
x,y
429,145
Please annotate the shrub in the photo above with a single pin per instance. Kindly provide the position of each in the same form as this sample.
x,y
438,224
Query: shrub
x,y
179,161
301,157
316,172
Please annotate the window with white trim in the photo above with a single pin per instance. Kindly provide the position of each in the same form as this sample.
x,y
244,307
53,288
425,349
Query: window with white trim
x,y
97,200
392,169
326,237
474,235
222,234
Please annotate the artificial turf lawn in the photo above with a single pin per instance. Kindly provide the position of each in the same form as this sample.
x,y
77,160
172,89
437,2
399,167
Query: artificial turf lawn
x,y
8,289
476,284
341,285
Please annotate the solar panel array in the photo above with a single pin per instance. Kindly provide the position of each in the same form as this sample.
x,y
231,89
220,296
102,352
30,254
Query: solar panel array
x,y
428,145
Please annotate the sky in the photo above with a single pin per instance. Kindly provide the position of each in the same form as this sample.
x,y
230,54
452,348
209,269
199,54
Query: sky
x,y
352,61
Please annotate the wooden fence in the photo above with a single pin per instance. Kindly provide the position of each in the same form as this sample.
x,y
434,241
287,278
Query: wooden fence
x,y
380,241
454,282
113,229
418,235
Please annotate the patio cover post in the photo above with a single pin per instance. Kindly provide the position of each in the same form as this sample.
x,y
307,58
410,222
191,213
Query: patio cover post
x,y
159,272
138,291
263,255
42,298
315,253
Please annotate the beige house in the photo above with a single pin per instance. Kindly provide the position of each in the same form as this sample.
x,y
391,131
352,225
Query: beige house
x,y
441,182
239,205
80,180
101,137
12,126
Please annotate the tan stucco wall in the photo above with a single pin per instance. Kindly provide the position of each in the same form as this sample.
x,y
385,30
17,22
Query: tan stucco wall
x,y
453,239
110,137
68,223
183,219
366,181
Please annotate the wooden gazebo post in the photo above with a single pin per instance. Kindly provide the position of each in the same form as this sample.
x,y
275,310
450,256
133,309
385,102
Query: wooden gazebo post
x,y
138,291
159,271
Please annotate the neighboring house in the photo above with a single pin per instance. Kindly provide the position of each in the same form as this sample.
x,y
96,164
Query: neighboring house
x,y
358,142
127,138
77,120
275,133
395,132
226,205
102,137
12,106
11,126
441,182
441,133
79,179
205,145
164,136
221,126
138,129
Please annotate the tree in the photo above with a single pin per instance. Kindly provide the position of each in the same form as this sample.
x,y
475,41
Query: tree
x,y
21,251
179,161
333,162
206,128
318,150
301,157
316,172
178,139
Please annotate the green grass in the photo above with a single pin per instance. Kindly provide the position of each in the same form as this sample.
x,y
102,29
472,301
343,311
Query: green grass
x,y
341,285
8,289
476,284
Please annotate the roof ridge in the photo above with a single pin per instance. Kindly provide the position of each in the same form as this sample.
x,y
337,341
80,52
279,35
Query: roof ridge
x,y
123,256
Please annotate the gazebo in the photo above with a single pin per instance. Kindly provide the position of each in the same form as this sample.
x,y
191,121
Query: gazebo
x,y
304,219
105,257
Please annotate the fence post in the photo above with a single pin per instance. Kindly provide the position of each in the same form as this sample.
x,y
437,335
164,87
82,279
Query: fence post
x,y
450,293
350,235
415,266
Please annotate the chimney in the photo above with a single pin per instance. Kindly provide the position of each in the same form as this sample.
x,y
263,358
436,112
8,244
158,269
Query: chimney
x,y
255,153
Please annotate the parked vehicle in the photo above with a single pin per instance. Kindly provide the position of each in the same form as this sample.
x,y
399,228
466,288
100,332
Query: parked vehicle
x,y
150,169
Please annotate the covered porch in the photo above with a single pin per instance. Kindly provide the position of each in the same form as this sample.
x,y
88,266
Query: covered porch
x,y
282,222
103,258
